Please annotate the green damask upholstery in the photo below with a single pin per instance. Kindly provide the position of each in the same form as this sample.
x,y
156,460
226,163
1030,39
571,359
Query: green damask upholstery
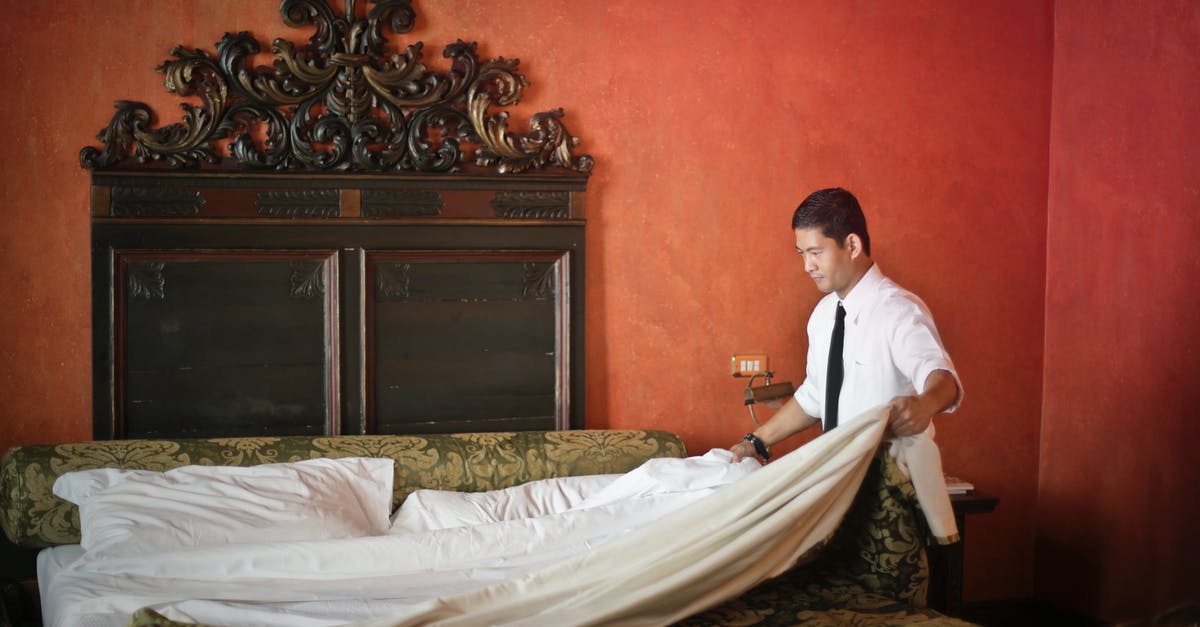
x,y
871,572
467,462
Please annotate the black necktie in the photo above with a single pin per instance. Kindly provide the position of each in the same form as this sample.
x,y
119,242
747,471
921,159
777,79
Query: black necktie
x,y
833,375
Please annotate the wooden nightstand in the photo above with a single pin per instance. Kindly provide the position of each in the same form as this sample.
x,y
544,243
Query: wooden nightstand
x,y
946,562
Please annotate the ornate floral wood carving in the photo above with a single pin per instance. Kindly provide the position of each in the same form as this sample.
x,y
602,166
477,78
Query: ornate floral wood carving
x,y
155,201
539,280
341,102
393,280
146,280
305,203
308,279
532,205
387,203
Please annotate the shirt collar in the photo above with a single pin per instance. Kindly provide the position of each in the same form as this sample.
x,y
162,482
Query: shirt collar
x,y
863,292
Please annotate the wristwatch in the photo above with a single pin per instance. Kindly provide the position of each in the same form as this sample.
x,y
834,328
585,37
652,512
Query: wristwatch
x,y
759,446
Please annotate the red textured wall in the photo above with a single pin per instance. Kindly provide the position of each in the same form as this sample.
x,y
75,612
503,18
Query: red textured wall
x,y
709,121
1118,517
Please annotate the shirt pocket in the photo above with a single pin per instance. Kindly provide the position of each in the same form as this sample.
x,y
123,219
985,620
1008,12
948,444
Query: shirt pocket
x,y
863,359
862,371
861,390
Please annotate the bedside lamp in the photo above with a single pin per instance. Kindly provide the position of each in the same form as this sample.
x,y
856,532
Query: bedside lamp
x,y
766,393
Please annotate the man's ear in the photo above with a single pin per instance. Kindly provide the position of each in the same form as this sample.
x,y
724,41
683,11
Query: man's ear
x,y
855,245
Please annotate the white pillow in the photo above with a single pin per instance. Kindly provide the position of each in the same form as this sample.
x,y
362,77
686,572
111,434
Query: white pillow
x,y
426,510
127,512
80,485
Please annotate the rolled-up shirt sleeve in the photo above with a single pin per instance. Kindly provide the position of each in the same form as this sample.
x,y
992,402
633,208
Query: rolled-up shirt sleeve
x,y
917,349
811,393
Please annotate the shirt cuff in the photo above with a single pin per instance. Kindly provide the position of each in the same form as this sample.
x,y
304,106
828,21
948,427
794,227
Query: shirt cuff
x,y
928,369
806,396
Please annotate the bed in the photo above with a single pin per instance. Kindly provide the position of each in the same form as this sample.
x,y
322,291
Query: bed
x,y
347,267
828,535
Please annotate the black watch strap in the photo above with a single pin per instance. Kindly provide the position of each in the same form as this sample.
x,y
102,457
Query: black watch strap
x,y
759,446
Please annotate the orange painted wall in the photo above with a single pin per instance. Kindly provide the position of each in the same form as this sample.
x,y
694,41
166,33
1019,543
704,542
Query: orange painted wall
x,y
709,122
1118,517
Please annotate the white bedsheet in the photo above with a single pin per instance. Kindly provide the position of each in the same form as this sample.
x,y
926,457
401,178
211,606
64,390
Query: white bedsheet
x,y
650,559
332,582
690,560
50,561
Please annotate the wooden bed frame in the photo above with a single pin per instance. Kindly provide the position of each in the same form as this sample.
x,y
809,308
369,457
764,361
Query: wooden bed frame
x,y
343,243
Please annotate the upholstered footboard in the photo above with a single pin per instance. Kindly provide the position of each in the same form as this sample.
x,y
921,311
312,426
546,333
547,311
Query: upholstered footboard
x,y
32,516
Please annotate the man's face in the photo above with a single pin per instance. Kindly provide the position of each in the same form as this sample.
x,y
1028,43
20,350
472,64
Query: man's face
x,y
830,265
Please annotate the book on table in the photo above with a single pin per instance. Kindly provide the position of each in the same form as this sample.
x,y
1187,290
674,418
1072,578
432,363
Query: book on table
x,y
954,485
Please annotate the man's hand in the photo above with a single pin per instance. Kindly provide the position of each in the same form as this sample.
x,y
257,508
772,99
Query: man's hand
x,y
788,420
741,451
908,416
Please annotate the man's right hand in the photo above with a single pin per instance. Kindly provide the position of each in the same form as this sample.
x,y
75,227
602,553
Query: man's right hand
x,y
742,450
789,420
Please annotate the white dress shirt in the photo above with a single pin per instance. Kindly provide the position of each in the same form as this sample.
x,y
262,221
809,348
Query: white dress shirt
x,y
891,347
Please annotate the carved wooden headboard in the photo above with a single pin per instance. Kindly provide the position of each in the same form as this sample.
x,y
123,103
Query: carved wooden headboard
x,y
345,242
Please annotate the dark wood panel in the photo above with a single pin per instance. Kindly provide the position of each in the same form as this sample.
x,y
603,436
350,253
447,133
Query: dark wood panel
x,y
511,256
192,196
371,235
467,336
411,329
220,344
174,334
351,322
466,373
226,401
447,425
507,386
466,278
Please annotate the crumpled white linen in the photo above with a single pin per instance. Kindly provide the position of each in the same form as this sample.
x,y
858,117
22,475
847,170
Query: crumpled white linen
x,y
128,512
332,582
426,509
689,560
650,559
919,458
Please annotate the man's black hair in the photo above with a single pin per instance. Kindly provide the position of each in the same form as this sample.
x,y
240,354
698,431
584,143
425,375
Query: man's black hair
x,y
836,212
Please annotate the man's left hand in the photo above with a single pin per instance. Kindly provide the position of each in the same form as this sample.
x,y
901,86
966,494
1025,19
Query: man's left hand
x,y
907,415
910,415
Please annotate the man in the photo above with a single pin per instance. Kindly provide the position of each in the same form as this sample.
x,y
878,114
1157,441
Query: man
x,y
890,349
